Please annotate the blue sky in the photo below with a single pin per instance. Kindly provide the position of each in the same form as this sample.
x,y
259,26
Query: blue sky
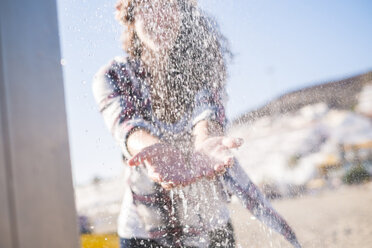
x,y
279,46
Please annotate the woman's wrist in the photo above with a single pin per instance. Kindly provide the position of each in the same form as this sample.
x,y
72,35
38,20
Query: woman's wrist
x,y
140,139
206,129
200,133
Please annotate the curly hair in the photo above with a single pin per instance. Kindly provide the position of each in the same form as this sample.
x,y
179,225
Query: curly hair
x,y
197,59
125,16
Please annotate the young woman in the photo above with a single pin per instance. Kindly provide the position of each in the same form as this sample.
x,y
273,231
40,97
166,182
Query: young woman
x,y
164,104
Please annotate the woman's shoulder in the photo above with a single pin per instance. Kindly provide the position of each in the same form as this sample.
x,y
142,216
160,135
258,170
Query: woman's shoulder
x,y
115,66
110,76
121,74
119,68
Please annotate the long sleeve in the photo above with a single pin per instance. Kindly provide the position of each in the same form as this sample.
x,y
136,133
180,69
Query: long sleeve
x,y
210,105
118,95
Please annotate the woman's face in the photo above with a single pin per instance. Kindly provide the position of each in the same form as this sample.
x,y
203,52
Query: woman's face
x,y
157,24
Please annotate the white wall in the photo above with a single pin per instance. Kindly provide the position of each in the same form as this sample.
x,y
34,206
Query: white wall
x,y
36,193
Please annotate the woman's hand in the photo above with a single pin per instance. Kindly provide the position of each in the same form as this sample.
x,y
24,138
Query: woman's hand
x,y
166,165
214,153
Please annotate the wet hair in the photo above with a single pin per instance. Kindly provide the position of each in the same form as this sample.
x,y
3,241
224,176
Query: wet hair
x,y
197,60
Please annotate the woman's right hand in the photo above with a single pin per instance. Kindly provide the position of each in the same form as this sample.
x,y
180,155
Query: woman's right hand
x,y
166,165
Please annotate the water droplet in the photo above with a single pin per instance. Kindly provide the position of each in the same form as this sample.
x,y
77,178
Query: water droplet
x,y
171,196
184,201
63,62
215,196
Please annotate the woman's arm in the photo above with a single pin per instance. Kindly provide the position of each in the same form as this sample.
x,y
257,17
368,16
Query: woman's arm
x,y
116,97
140,139
205,129
208,131
211,148
238,182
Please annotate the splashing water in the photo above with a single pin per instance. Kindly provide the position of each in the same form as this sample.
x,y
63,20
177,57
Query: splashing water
x,y
214,190
171,195
183,200
194,191
224,187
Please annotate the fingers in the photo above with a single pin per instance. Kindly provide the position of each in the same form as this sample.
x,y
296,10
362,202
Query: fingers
x,y
222,155
221,167
156,177
146,154
232,142
229,162
167,185
173,184
215,162
139,158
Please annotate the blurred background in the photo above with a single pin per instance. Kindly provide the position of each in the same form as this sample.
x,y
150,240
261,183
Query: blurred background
x,y
300,94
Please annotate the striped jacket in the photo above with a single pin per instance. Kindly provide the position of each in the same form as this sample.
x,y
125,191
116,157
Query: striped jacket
x,y
184,216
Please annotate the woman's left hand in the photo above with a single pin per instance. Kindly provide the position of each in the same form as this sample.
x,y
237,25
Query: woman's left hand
x,y
214,153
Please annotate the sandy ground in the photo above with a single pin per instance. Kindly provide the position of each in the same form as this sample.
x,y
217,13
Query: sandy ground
x,y
331,218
